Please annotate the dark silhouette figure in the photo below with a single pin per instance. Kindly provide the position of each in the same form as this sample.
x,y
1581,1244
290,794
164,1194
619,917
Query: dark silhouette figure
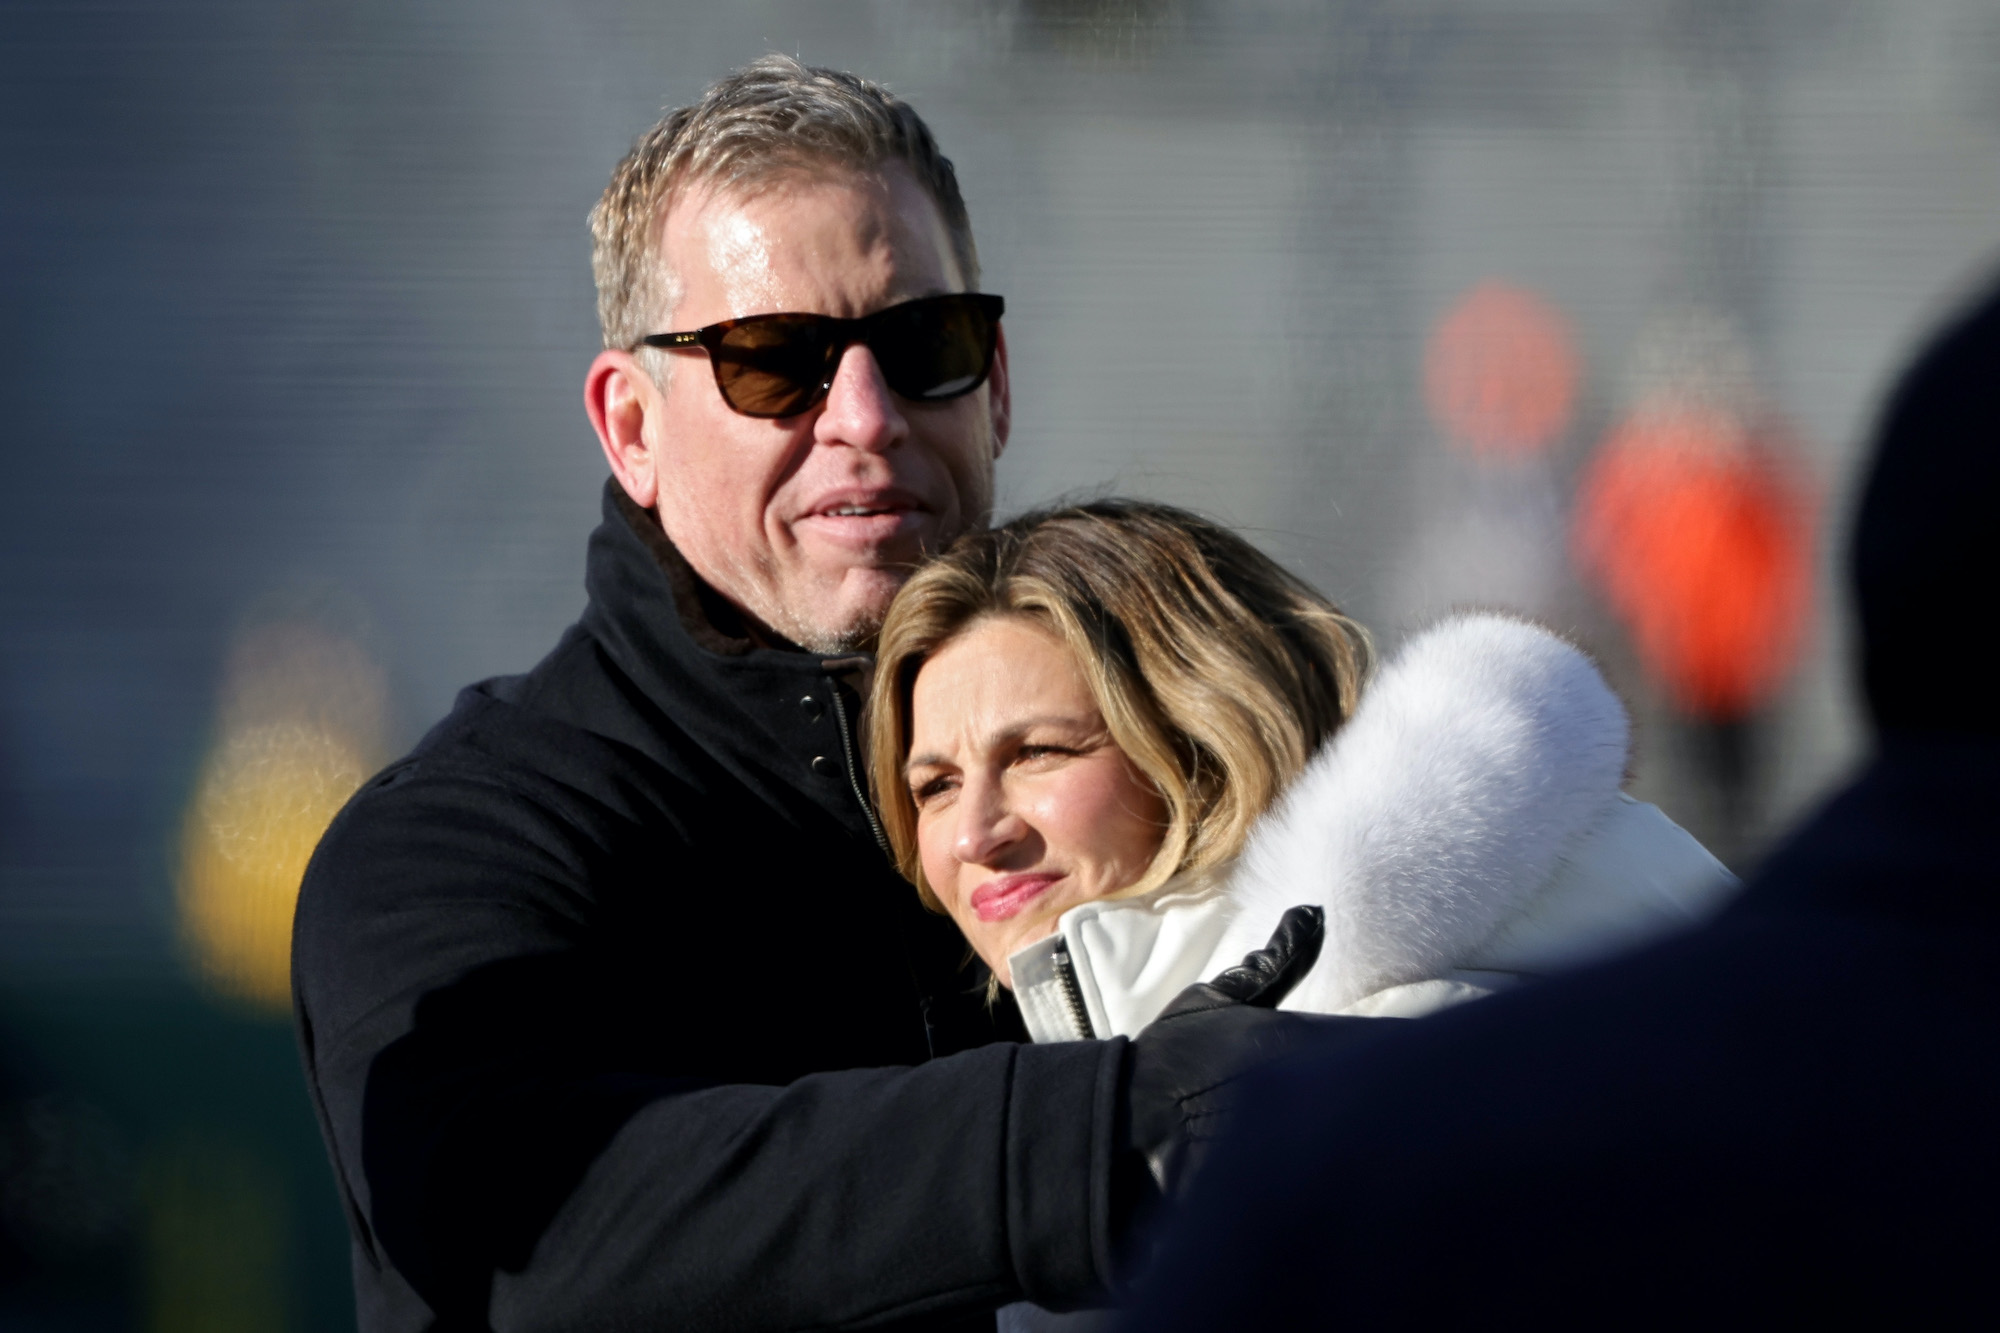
x,y
1791,1112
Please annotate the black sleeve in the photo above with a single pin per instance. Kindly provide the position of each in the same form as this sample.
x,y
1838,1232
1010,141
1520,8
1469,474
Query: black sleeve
x,y
514,1155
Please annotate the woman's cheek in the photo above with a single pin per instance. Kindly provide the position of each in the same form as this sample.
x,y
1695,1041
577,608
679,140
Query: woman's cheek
x,y
1089,822
940,866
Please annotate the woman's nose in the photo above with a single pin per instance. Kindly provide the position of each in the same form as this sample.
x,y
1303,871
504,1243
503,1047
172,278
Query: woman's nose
x,y
987,825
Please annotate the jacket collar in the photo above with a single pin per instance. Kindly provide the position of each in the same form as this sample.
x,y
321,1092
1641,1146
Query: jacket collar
x,y
766,713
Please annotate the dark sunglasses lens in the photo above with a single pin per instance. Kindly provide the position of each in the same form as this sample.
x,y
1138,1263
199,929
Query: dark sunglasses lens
x,y
772,366
934,349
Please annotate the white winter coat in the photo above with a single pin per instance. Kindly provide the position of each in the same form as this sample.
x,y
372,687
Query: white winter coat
x,y
1464,830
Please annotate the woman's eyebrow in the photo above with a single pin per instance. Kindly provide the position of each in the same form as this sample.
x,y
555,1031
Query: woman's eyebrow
x,y
1008,736
915,762
1028,724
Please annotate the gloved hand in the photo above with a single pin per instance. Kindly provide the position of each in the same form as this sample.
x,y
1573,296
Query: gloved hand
x,y
1183,1069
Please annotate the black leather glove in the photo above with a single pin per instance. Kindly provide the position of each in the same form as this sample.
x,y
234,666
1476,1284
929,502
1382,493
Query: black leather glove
x,y
1183,1070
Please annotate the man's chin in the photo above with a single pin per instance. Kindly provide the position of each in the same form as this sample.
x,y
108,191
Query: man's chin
x,y
846,616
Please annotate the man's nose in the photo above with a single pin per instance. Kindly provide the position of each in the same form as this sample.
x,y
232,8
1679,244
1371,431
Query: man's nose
x,y
987,825
861,411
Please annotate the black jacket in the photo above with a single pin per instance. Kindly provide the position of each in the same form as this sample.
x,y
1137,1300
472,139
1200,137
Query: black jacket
x,y
1788,1118
616,1015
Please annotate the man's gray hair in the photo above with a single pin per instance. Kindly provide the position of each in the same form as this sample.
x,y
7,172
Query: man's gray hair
x,y
771,118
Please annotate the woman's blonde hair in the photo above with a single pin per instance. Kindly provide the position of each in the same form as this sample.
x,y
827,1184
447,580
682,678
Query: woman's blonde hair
x,y
1218,673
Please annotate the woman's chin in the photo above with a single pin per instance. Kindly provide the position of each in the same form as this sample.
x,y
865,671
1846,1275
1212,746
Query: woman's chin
x,y
995,959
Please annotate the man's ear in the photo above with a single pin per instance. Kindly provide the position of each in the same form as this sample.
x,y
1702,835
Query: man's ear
x,y
617,395
1000,392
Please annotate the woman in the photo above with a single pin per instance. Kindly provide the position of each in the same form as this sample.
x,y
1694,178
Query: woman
x,y
1115,742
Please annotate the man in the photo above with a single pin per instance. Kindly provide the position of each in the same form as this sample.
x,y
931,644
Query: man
x,y
1785,1119
614,1011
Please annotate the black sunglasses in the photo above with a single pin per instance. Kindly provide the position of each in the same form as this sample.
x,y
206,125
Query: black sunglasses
x,y
931,349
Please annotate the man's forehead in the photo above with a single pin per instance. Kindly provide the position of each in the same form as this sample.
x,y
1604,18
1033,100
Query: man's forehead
x,y
822,238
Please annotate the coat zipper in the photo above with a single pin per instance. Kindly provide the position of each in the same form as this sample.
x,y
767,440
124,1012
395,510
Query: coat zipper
x,y
853,770
1072,992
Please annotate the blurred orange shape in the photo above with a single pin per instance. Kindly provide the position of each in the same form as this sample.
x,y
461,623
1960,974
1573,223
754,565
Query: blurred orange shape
x,y
265,796
1699,536
1501,372
300,725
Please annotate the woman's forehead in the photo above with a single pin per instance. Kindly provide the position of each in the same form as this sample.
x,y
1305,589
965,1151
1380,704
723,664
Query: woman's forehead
x,y
995,678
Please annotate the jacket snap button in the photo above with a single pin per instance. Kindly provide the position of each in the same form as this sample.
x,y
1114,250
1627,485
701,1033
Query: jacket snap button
x,y
813,707
824,766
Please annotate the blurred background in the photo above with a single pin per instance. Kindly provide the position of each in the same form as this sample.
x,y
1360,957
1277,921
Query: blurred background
x,y
1582,309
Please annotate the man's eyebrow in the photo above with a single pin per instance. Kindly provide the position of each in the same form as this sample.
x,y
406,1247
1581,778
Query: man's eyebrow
x,y
905,295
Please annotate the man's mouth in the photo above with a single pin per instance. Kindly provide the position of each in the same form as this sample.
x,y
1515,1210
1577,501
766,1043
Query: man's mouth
x,y
868,520
1007,896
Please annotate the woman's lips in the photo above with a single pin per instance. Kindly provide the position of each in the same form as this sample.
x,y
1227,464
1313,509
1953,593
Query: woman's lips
x,y
999,899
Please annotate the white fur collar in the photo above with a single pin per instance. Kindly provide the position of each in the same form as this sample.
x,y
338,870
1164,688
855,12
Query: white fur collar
x,y
1482,753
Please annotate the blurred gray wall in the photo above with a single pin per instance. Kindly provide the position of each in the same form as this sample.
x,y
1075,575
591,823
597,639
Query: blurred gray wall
x,y
295,304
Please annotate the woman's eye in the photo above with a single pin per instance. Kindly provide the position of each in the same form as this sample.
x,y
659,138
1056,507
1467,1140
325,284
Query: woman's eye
x,y
1030,752
924,791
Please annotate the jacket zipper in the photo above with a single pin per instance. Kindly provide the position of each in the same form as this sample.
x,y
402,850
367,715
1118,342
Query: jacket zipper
x,y
1072,992
853,770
